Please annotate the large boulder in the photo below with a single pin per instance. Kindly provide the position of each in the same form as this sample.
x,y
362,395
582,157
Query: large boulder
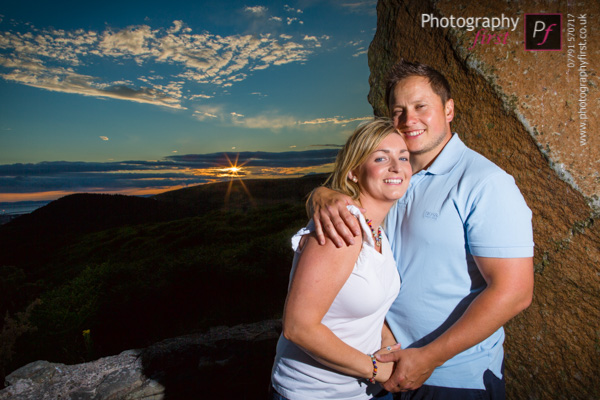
x,y
520,109
216,364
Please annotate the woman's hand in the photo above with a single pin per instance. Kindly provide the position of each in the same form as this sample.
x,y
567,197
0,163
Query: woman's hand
x,y
332,218
385,369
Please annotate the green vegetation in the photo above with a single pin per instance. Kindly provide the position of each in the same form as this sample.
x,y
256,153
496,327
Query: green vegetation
x,y
104,291
12,329
139,284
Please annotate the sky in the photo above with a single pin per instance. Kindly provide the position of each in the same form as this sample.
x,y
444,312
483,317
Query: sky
x,y
139,97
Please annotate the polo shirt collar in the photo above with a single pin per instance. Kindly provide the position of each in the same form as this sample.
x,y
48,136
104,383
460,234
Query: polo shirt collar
x,y
447,159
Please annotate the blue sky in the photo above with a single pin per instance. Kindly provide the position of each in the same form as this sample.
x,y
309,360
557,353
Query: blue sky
x,y
142,97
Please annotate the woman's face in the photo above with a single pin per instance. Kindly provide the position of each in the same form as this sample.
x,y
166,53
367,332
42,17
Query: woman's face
x,y
385,175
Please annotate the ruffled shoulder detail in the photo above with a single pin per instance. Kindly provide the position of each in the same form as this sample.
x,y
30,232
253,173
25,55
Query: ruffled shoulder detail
x,y
367,236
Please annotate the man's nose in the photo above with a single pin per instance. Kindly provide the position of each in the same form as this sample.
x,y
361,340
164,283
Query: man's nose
x,y
407,118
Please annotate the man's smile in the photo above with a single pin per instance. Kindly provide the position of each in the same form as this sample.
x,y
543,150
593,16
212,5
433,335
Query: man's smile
x,y
413,133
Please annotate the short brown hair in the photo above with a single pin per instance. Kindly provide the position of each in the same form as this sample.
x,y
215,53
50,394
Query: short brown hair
x,y
405,69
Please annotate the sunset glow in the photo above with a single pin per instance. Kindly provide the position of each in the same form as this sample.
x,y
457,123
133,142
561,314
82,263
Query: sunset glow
x,y
174,95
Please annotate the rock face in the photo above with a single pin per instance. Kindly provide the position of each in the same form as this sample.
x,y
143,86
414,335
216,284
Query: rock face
x,y
520,109
217,364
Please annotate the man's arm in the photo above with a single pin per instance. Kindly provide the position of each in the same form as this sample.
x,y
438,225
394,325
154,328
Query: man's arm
x,y
509,291
332,218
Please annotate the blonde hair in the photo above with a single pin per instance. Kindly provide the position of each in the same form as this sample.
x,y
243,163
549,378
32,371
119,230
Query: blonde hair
x,y
359,146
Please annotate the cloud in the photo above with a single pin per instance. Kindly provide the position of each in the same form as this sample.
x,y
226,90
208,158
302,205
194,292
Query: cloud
x,y
177,25
360,51
199,96
337,146
361,7
132,41
292,10
55,59
58,79
203,113
172,171
286,159
335,120
273,122
260,10
270,120
360,48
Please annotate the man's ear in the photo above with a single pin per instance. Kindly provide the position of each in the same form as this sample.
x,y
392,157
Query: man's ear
x,y
449,110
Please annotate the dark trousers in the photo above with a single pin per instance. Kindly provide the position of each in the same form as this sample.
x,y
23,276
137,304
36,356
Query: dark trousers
x,y
494,390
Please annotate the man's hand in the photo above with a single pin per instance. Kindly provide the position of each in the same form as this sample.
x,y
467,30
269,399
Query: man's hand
x,y
412,369
509,291
332,218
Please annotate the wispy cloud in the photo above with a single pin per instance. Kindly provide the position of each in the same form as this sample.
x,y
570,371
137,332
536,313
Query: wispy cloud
x,y
292,10
266,121
172,171
256,10
55,59
335,120
273,122
360,7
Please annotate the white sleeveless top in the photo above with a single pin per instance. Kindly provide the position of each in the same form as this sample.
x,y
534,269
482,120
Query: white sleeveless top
x,y
356,316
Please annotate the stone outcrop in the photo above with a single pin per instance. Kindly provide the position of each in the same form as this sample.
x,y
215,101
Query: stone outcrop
x,y
520,109
211,365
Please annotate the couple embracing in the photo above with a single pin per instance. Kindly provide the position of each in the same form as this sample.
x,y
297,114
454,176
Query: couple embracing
x,y
418,252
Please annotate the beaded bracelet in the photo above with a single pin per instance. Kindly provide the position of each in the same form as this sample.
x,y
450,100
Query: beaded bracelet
x,y
372,379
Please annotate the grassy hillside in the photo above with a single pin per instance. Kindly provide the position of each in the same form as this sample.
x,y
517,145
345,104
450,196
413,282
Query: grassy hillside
x,y
114,273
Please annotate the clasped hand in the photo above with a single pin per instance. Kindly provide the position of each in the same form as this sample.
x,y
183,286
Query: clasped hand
x,y
412,368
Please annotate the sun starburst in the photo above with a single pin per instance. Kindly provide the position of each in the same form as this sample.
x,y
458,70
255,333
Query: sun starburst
x,y
235,171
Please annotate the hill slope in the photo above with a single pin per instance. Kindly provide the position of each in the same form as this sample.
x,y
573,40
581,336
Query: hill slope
x,y
132,271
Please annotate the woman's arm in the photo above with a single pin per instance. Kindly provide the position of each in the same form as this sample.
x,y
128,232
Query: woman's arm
x,y
387,337
320,274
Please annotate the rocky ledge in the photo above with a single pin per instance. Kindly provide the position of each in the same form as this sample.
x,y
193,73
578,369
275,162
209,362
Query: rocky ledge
x,y
223,360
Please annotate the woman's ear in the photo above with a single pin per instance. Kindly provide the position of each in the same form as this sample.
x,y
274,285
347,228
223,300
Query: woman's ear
x,y
352,177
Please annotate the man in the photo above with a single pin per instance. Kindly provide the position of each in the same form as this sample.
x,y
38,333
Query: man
x,y
463,242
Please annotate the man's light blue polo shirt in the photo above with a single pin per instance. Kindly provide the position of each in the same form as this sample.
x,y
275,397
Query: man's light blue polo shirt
x,y
462,206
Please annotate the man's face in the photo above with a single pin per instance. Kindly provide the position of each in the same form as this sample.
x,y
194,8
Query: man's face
x,y
420,116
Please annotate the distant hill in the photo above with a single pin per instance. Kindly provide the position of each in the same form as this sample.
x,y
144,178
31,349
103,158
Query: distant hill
x,y
31,238
137,270
242,193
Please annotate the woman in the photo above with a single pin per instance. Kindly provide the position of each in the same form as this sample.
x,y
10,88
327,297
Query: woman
x,y
334,314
